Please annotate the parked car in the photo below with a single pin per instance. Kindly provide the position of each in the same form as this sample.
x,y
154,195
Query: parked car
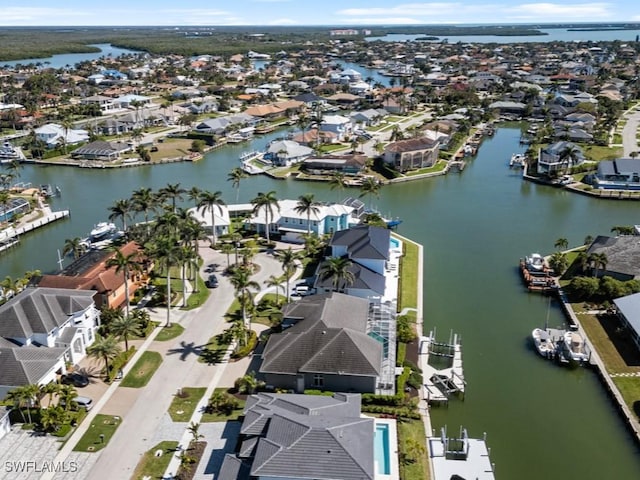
x,y
212,281
75,379
82,402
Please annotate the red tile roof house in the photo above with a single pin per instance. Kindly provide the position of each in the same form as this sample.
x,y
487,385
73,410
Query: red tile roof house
x,y
90,272
411,154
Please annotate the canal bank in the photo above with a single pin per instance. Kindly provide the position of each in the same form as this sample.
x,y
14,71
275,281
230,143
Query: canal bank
x,y
473,227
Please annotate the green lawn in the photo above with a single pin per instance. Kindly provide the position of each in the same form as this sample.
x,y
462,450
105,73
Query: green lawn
x,y
438,167
143,370
630,389
169,333
215,417
214,350
196,299
101,425
154,467
182,407
598,153
412,431
333,147
408,288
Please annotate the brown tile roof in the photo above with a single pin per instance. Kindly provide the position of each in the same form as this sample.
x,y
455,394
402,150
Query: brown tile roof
x,y
411,145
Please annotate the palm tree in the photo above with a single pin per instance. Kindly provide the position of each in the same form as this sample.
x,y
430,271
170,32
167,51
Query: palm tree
x,y
211,201
238,332
241,281
121,209
227,248
599,260
124,264
588,240
105,348
569,155
194,194
51,389
173,192
370,187
186,256
337,181
276,282
144,201
125,327
73,246
23,397
561,244
266,202
338,270
52,418
165,251
235,176
307,205
288,261
66,396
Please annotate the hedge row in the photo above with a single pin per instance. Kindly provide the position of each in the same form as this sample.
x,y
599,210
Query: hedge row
x,y
119,362
252,343
399,412
401,354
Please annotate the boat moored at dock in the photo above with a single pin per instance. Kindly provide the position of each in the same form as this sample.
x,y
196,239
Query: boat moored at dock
x,y
517,160
544,342
574,347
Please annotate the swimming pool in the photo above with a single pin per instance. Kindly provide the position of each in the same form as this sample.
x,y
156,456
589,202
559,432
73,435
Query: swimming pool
x,y
394,243
382,453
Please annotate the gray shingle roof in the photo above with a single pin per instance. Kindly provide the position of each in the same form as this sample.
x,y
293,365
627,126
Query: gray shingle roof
x,y
27,365
233,468
316,447
40,310
629,306
364,241
623,253
331,338
364,278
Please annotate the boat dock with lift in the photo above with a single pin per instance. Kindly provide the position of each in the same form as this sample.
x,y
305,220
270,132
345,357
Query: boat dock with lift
x,y
461,457
440,382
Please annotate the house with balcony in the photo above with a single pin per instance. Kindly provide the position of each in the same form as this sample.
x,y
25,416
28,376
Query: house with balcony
x,y
411,154
285,153
41,331
54,135
554,159
619,174
338,125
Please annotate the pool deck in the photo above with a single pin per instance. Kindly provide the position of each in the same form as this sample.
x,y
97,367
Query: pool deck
x,y
393,450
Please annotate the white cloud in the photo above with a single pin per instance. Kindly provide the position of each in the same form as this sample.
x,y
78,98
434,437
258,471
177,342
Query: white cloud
x,y
559,12
413,9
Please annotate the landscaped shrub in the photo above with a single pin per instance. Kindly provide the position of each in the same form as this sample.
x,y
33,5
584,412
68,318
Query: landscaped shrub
x,y
401,353
252,342
404,329
383,400
119,362
321,392
411,365
403,412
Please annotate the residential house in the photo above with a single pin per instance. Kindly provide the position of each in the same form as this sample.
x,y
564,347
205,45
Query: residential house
x,y
337,124
54,135
327,346
41,330
509,108
623,256
287,152
352,164
101,150
90,272
553,159
411,154
304,437
221,217
629,314
367,118
220,125
106,104
12,207
291,224
619,174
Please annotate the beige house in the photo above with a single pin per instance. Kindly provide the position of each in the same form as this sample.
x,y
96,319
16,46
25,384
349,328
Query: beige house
x,y
411,154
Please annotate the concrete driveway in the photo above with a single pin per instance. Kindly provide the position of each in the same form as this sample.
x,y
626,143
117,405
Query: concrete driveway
x,y
629,132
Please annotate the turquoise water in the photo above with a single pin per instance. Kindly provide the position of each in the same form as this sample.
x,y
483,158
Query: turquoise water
x,y
381,449
394,243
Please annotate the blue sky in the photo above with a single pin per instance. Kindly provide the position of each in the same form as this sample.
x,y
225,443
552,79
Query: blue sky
x,y
309,12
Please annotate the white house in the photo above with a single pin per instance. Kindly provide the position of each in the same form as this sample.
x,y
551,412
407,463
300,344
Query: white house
x,y
339,125
328,218
287,152
53,135
221,217
42,330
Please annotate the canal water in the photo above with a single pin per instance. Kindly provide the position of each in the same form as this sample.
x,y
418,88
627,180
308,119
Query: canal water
x,y
71,59
542,421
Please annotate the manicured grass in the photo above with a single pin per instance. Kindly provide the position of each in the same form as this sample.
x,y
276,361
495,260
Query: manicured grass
x,y
408,288
101,425
598,153
413,431
438,167
196,299
143,370
214,350
333,147
169,333
154,467
215,417
630,389
182,407
171,148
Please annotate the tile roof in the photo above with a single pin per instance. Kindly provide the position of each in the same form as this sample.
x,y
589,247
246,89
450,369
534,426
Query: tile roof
x,y
364,241
364,279
27,365
410,145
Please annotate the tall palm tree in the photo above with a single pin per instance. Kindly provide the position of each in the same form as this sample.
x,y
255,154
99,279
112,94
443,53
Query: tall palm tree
x,y
598,260
124,264
165,252
173,192
235,176
125,327
568,156
227,249
144,201
104,348
288,261
51,389
211,201
23,398
244,286
266,202
194,195
371,188
338,270
186,257
307,205
276,282
66,396
561,244
338,181
121,209
73,246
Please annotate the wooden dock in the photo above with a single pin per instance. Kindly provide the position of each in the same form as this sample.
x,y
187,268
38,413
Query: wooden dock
x,y
16,232
440,383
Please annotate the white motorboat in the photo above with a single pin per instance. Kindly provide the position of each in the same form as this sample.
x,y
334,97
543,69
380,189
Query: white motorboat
x,y
544,343
535,263
9,153
575,348
517,160
101,230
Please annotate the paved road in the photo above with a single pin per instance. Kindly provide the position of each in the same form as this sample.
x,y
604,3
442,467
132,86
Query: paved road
x,y
629,132
144,410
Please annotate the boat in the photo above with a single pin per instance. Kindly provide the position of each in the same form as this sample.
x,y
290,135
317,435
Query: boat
x,y
535,263
544,343
49,191
101,230
574,347
9,153
517,160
